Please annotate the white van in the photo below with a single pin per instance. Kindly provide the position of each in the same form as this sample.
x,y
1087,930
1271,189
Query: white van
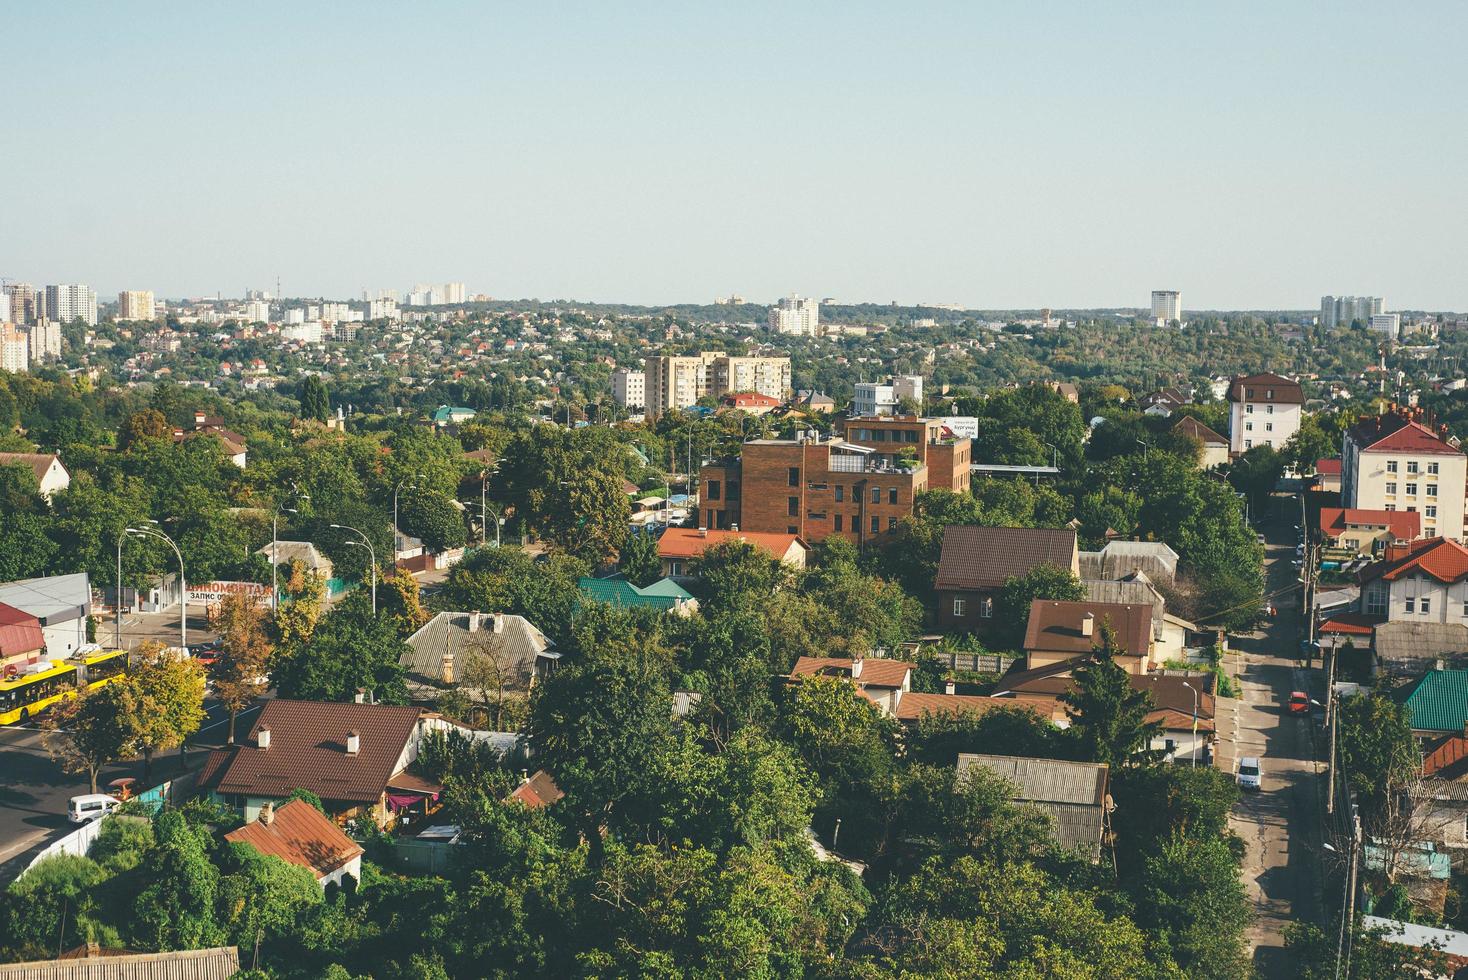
x,y
1249,775
90,806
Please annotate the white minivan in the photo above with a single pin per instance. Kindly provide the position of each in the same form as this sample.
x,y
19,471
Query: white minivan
x,y
1249,775
90,806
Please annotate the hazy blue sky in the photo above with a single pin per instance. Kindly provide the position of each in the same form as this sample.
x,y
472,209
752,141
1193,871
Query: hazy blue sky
x,y
997,155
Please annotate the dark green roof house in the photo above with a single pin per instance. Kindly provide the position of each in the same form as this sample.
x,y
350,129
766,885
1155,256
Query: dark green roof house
x,y
451,415
664,594
1439,701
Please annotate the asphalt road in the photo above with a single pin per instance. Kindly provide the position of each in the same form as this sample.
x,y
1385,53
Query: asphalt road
x,y
1279,824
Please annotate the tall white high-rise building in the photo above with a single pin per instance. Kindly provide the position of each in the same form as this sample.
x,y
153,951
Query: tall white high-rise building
x,y
1167,306
5,308
14,349
796,316
1345,310
71,301
1387,323
135,304
45,341
455,292
382,308
629,388
257,311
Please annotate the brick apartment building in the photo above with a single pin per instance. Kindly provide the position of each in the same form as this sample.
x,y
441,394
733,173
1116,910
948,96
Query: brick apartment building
x,y
858,486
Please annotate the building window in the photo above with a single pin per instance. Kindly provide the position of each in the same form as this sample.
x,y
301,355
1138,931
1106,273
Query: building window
x,y
1376,601
876,495
1268,409
1411,489
840,492
1432,489
891,495
1248,443
794,476
986,609
792,530
710,521
891,523
1430,511
876,525
1391,507
1391,488
1432,469
711,489
1249,393
1269,393
1412,466
959,610
1391,466
836,522
1411,605
792,506
1426,605
1268,426
1249,409
675,568
1248,426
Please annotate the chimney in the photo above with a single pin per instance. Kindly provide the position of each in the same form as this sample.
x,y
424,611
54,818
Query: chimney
x,y
267,814
361,696
856,663
703,532
354,742
474,622
199,418
1438,664
262,737
499,622
949,687
447,671
524,776
1088,624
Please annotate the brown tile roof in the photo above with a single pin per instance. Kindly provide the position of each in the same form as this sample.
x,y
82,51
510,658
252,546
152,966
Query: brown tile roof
x,y
1448,759
1286,392
1174,701
986,557
308,751
38,462
300,834
875,671
914,705
538,791
1190,426
1398,432
1055,627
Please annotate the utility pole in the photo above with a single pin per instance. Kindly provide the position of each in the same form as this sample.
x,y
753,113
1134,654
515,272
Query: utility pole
x,y
1330,723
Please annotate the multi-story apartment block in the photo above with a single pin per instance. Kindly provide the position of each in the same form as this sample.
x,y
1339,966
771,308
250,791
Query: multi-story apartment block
x,y
1167,307
1264,410
14,349
1425,582
45,341
1336,310
22,302
382,308
858,487
796,316
135,304
674,382
876,398
1387,323
629,388
1396,462
70,301
764,375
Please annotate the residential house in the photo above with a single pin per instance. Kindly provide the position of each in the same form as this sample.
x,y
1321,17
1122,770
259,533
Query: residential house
x,y
750,402
96,963
537,791
1120,559
679,547
1445,764
1398,462
1367,532
51,476
304,552
447,415
1328,475
1074,794
21,641
1437,702
1163,402
664,595
1170,634
231,442
354,756
815,401
300,834
1062,631
975,562
1264,410
1215,446
883,681
441,653
62,604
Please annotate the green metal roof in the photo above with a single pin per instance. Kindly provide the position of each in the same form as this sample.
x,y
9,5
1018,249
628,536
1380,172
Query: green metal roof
x,y
447,413
617,591
1439,701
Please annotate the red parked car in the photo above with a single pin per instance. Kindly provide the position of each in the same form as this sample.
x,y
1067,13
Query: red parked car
x,y
1299,703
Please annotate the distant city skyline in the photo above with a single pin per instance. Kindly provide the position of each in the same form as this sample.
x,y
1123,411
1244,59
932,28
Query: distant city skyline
x,y
992,156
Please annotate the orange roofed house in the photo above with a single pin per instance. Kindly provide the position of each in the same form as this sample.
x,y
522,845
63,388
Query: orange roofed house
x,y
679,547
857,486
302,835
1368,532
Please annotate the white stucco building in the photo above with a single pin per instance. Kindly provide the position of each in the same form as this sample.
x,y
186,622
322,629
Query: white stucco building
x,y
1396,462
1264,410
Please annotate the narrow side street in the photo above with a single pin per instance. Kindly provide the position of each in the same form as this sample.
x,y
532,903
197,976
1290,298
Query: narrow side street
x,y
1278,824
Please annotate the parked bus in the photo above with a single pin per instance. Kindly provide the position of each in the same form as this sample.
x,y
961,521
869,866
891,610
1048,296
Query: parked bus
x,y
25,695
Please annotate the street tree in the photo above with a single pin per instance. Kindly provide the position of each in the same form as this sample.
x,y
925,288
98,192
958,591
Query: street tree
x,y
88,732
166,694
245,652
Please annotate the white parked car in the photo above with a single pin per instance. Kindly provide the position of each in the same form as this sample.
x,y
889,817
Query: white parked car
x,y
90,806
1249,775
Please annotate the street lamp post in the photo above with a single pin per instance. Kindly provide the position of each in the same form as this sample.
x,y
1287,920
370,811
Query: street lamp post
x,y
183,585
1195,722
371,556
274,544
117,605
415,476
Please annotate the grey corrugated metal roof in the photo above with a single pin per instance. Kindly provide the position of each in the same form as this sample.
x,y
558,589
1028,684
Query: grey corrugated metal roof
x,y
517,645
1072,793
1406,641
1137,591
218,963
52,599
1118,559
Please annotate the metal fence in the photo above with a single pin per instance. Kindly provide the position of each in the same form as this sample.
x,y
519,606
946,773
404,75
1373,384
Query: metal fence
x,y
983,663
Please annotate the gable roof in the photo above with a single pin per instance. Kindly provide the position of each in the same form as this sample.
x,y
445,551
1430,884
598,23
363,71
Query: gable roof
x,y
52,598
916,704
875,671
1400,432
217,963
1328,467
20,632
1120,559
1403,524
1448,758
1285,391
1055,627
538,791
617,591
1073,793
1440,558
514,641
987,557
308,751
300,834
690,542
1189,426
1438,702
39,463
1171,698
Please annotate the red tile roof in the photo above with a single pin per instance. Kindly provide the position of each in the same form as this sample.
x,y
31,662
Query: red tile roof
x,y
1328,467
1056,626
538,791
20,632
1447,759
1396,433
300,834
308,751
1404,524
1350,624
688,542
914,705
875,671
751,398
1439,558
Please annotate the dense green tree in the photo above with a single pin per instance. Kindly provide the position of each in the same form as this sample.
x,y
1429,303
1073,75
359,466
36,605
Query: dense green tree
x,y
1108,716
314,402
433,519
509,580
1012,606
639,559
349,651
177,908
1378,754
1191,894
567,487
